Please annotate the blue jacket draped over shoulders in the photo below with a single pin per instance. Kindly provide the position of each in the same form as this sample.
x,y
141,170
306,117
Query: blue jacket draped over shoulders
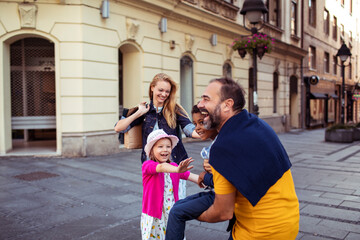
x,y
249,154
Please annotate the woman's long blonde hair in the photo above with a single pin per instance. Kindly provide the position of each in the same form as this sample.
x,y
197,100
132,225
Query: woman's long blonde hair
x,y
170,108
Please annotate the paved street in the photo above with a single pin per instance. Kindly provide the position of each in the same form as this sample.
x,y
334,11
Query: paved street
x,y
100,197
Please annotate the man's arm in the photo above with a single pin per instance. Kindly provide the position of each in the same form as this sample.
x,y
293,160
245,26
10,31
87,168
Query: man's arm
x,y
221,210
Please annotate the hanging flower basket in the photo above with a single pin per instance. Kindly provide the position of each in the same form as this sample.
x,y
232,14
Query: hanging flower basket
x,y
260,49
242,52
262,42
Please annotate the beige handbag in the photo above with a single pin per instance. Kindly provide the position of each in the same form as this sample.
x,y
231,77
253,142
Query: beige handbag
x,y
133,138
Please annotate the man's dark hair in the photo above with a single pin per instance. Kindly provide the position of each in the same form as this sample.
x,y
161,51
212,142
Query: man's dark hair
x,y
195,109
231,89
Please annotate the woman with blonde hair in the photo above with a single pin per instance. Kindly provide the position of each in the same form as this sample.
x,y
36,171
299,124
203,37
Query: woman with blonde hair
x,y
162,113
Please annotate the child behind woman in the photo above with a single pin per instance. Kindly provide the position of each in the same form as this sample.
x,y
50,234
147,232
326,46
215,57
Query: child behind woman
x,y
160,183
193,206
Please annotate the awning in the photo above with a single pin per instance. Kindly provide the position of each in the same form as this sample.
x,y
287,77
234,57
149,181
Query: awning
x,y
333,95
356,96
318,96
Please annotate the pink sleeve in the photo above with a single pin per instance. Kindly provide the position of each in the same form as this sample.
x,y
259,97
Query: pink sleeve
x,y
149,167
185,175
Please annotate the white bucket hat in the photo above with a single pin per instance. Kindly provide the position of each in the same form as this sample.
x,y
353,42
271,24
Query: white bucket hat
x,y
156,135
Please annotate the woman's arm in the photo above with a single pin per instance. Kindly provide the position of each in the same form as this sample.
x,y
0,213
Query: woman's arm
x,y
185,123
195,134
122,124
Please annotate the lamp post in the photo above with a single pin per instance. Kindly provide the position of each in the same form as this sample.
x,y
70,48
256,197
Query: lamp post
x,y
343,53
253,10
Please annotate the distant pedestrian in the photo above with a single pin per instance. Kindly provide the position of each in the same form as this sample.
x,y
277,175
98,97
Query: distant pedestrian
x,y
161,179
251,169
161,113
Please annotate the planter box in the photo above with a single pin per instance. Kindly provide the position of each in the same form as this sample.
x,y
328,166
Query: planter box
x,y
340,135
356,134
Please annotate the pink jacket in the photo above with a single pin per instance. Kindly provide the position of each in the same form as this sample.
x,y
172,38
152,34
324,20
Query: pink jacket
x,y
153,188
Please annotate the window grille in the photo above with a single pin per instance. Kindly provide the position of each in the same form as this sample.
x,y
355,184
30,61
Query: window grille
x,y
32,82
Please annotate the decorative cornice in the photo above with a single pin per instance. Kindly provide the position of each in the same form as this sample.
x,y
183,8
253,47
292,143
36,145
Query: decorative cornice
x,y
229,51
132,28
189,42
28,13
289,50
218,7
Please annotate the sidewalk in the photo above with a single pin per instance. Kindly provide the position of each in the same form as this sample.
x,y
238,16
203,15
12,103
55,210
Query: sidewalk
x,y
100,197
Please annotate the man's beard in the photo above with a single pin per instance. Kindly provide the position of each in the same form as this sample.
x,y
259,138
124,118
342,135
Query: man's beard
x,y
214,119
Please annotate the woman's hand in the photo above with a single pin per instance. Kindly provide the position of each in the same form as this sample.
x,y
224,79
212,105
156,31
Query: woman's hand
x,y
207,166
184,165
143,108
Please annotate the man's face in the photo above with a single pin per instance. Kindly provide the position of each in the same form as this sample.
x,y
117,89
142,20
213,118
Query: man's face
x,y
211,106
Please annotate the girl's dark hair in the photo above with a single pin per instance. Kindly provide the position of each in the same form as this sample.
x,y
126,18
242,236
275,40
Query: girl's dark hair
x,y
231,89
195,109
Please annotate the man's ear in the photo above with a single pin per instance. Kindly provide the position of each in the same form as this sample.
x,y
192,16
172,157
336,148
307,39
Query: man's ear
x,y
228,104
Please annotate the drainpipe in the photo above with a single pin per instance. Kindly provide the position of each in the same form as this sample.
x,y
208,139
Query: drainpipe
x,y
302,69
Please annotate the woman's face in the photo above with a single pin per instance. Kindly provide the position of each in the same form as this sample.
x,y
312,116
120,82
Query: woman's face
x,y
162,150
161,92
198,120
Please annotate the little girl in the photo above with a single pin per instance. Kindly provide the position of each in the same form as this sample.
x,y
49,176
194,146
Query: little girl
x,y
161,183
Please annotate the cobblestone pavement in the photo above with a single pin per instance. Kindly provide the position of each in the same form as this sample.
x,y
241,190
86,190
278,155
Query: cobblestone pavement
x,y
100,197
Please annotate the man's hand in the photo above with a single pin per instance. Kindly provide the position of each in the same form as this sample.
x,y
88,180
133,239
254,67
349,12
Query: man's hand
x,y
201,180
207,166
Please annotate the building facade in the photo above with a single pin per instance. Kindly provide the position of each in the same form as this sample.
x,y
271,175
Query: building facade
x,y
327,25
68,67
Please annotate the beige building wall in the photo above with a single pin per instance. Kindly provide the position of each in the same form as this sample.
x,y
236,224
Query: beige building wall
x,y
87,70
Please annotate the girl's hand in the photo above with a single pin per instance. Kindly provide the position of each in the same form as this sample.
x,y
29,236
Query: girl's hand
x,y
143,108
207,166
184,165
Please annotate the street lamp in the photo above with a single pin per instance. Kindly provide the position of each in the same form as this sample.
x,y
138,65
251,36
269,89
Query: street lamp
x,y
343,53
253,10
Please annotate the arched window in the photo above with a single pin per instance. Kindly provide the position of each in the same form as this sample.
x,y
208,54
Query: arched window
x,y
227,71
121,85
275,89
186,83
251,90
33,105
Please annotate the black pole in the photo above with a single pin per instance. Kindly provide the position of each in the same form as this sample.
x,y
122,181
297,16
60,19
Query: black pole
x,y
255,106
307,101
342,93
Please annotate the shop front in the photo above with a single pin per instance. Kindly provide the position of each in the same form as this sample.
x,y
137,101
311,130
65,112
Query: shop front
x,y
321,102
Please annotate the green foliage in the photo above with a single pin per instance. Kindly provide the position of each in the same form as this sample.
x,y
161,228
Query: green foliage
x,y
253,41
339,126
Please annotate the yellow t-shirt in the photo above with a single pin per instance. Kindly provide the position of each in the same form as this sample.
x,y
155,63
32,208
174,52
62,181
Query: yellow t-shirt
x,y
274,217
